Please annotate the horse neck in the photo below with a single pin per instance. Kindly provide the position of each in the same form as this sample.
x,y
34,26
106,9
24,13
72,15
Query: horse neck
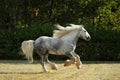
x,y
76,38
72,37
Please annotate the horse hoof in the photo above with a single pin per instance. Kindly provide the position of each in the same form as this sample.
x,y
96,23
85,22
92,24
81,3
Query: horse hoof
x,y
54,67
77,65
67,63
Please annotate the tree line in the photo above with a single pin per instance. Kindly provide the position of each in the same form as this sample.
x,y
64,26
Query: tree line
x,y
28,19
17,13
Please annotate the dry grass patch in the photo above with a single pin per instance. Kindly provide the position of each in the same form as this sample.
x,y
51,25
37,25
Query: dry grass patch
x,y
21,70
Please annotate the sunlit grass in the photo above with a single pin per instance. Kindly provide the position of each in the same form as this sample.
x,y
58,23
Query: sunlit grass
x,y
22,70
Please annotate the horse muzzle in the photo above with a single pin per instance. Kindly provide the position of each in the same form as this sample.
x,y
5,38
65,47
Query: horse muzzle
x,y
88,38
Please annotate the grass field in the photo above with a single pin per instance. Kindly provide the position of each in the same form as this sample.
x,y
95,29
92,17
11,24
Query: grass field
x,y
21,70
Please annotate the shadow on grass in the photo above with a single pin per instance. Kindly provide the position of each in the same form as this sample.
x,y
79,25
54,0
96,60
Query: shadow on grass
x,y
18,62
101,62
22,72
25,62
57,62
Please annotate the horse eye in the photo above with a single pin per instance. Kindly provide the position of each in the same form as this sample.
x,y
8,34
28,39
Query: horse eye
x,y
84,31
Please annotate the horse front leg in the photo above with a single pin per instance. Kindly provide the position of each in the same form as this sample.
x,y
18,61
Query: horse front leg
x,y
72,57
78,61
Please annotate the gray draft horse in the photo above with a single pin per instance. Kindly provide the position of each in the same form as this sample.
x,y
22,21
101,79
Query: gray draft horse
x,y
63,42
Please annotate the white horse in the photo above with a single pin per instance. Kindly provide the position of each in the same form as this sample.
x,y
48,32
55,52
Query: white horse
x,y
63,42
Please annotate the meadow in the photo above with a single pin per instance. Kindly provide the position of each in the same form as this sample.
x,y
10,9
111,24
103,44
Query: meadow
x,y
90,70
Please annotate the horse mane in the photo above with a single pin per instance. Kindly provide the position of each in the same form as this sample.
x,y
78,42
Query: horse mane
x,y
61,31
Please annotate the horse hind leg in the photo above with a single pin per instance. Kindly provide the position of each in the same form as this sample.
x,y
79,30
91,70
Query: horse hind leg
x,y
44,58
30,59
43,63
53,65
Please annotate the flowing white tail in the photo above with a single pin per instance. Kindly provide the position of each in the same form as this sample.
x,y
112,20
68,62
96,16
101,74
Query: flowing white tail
x,y
27,48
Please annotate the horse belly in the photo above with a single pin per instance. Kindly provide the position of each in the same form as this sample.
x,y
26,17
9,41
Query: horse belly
x,y
56,52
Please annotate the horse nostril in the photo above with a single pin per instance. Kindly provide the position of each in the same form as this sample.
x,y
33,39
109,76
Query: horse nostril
x,y
88,38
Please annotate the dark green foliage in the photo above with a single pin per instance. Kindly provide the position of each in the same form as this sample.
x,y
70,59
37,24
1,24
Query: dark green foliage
x,y
104,44
99,51
11,41
28,19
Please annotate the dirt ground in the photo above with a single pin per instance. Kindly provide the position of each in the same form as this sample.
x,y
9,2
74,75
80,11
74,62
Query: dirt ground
x,y
22,70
